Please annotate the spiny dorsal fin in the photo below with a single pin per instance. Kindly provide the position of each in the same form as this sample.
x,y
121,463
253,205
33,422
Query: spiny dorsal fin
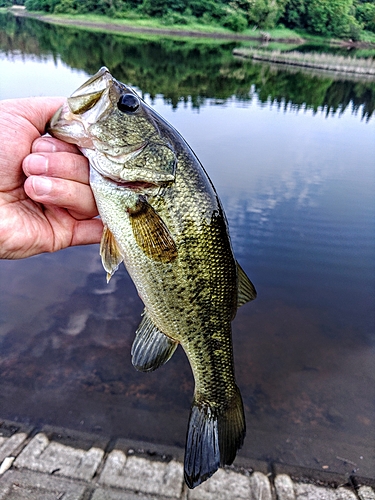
x,y
151,348
151,233
246,290
110,253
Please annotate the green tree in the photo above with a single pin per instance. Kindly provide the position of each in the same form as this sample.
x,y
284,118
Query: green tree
x,y
365,13
66,7
264,13
235,20
155,7
295,14
210,9
332,18
45,5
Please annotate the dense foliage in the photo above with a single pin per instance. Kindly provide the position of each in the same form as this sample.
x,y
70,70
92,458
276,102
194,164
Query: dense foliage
x,y
338,18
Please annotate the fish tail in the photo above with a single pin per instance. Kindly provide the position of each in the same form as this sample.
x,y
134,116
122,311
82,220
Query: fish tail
x,y
214,436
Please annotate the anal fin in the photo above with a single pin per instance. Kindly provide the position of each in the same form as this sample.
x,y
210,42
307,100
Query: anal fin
x,y
110,253
246,290
151,348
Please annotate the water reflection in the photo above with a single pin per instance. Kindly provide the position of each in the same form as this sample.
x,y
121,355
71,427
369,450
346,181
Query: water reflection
x,y
183,70
297,182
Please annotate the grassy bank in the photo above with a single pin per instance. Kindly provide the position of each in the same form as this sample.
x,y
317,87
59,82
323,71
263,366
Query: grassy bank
x,y
191,29
158,25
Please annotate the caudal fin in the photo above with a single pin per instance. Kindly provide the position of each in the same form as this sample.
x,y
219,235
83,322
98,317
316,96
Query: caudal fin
x,y
214,436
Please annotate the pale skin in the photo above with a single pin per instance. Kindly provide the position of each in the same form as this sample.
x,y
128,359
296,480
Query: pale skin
x,y
46,203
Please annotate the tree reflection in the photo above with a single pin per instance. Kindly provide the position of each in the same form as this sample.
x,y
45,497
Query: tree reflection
x,y
184,70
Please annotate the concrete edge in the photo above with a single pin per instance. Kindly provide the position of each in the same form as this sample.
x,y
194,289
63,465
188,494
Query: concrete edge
x,y
103,468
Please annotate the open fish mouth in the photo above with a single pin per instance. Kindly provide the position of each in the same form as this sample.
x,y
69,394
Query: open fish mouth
x,y
98,82
88,104
90,93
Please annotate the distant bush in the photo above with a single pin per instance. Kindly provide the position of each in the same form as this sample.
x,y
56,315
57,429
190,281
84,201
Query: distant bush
x,y
66,7
332,18
174,18
235,21
265,14
295,14
365,13
46,5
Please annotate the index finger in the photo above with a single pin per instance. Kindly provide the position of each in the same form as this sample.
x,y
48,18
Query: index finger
x,y
48,144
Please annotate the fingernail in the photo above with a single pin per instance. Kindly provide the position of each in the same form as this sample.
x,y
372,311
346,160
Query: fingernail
x,y
41,185
44,145
36,164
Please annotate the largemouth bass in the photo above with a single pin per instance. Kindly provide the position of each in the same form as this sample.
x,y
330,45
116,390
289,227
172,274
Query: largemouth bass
x,y
163,219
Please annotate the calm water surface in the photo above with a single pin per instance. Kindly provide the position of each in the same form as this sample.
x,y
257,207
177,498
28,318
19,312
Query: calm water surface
x,y
295,172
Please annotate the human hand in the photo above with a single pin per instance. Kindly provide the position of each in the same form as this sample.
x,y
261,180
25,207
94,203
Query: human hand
x,y
46,203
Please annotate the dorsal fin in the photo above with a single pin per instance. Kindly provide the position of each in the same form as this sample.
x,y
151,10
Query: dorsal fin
x,y
246,290
151,348
110,253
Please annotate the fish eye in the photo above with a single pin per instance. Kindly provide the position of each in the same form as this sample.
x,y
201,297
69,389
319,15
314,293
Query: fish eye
x,y
128,102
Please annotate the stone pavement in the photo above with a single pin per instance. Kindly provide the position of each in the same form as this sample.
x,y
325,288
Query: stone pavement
x,y
58,464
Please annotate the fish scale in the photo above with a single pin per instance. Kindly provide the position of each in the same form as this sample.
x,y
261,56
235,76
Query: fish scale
x,y
163,219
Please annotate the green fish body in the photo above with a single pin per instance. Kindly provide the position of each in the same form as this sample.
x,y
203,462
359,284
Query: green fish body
x,y
163,219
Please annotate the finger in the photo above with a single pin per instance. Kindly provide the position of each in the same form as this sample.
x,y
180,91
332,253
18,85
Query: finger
x,y
37,110
64,165
47,144
68,232
74,196
87,232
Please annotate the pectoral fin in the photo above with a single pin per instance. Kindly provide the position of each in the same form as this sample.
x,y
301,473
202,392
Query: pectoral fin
x,y
110,253
246,290
151,348
151,233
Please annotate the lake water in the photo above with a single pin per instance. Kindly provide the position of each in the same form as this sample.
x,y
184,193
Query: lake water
x,y
292,156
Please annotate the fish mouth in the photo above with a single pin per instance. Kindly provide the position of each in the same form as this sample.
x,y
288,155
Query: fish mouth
x,y
97,83
90,99
89,94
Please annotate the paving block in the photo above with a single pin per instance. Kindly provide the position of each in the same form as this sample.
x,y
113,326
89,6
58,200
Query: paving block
x,y
224,484
260,487
312,492
284,487
27,485
8,445
43,455
345,494
366,493
102,494
74,438
138,474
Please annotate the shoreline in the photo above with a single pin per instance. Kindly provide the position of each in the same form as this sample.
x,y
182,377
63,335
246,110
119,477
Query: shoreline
x,y
124,28
86,465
